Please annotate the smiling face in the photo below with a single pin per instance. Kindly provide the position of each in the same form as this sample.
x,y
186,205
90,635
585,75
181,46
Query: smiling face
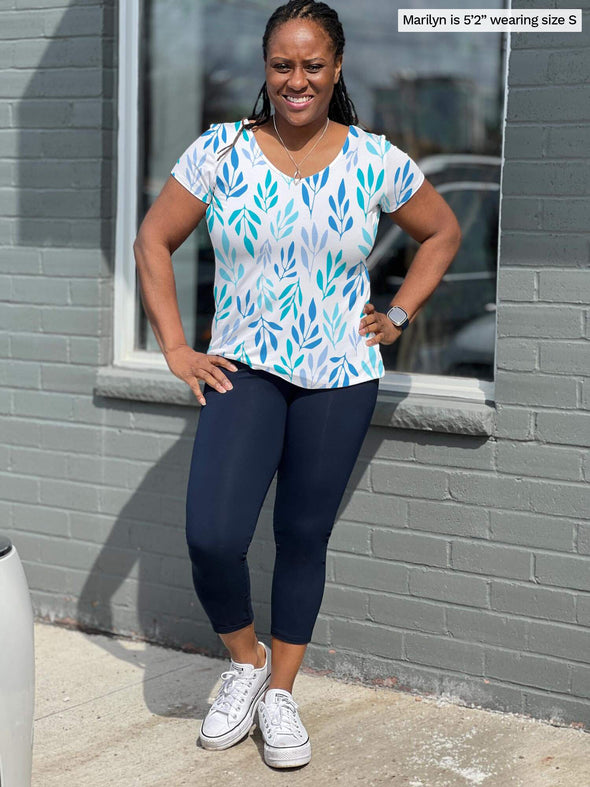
x,y
301,71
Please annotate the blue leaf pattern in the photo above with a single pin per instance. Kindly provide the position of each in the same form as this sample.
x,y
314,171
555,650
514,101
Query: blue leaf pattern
x,y
355,284
311,186
341,221
291,278
313,244
402,180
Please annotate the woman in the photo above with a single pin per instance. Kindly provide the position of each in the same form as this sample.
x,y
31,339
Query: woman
x,y
292,201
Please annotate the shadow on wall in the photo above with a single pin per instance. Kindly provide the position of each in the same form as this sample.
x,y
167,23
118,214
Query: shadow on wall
x,y
67,139
140,583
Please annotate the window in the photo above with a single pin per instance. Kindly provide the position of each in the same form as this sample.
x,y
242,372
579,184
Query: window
x,y
438,96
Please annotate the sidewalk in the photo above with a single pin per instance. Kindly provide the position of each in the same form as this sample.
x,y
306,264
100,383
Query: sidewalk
x,y
110,711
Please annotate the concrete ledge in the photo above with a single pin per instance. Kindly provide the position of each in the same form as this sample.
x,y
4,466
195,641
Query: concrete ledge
x,y
434,414
144,385
401,411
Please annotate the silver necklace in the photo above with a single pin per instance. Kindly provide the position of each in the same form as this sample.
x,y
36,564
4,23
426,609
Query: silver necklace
x,y
297,176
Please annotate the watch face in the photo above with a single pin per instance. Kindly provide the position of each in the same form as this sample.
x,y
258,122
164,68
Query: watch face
x,y
397,315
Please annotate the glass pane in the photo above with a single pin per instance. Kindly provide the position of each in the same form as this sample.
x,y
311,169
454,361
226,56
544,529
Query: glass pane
x,y
454,333
438,96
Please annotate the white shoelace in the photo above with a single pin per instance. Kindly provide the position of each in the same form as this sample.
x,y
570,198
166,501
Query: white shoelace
x,y
232,693
284,714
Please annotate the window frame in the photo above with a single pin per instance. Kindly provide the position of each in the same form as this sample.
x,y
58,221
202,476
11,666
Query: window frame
x,y
125,303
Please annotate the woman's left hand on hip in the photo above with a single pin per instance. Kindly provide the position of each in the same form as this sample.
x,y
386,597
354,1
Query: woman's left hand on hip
x,y
379,324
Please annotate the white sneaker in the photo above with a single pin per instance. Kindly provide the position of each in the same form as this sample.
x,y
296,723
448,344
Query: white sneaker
x,y
286,742
231,715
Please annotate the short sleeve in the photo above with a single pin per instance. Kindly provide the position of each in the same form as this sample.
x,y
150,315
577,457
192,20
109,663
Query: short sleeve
x,y
403,177
195,169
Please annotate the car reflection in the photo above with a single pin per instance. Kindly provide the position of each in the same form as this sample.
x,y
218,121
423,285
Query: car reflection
x,y
454,333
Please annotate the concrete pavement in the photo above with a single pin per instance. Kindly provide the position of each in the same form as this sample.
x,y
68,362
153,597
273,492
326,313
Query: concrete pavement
x,y
112,711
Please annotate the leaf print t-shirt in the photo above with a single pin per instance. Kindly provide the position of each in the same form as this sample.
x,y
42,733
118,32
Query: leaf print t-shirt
x,y
291,279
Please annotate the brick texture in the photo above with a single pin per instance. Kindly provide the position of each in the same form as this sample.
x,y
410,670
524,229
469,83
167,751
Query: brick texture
x,y
456,561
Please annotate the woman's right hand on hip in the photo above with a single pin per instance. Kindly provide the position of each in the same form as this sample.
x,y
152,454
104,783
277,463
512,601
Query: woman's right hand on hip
x,y
191,366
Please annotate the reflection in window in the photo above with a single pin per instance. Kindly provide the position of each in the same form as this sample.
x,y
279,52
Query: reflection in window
x,y
438,96
454,333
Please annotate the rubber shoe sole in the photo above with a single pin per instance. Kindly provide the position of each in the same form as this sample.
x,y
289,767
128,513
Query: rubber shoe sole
x,y
287,756
235,735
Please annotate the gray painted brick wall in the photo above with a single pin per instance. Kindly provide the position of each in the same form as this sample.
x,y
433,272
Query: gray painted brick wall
x,y
458,565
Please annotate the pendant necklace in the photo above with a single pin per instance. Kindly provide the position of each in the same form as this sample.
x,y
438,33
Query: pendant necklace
x,y
297,176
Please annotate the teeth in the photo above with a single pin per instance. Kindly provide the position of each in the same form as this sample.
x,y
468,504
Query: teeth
x,y
301,100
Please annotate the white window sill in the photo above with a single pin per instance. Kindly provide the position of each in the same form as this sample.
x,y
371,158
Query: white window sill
x,y
401,410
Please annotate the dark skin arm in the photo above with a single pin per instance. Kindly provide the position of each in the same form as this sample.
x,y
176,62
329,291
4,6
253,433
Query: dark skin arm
x,y
427,218
167,224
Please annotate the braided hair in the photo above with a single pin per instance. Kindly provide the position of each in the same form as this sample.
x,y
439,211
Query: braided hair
x,y
341,108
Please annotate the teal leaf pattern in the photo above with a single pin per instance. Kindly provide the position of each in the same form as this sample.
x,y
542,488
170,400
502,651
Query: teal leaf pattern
x,y
291,299
326,278
282,225
214,213
289,361
366,246
373,367
266,196
370,184
265,293
229,268
291,277
334,325
222,303
246,220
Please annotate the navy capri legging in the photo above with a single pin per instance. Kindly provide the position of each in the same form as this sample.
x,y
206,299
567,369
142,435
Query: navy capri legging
x,y
311,438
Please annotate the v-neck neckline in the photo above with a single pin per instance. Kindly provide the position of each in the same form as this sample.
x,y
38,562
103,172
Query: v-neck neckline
x,y
290,178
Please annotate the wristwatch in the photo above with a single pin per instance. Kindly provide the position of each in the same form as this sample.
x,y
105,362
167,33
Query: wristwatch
x,y
399,317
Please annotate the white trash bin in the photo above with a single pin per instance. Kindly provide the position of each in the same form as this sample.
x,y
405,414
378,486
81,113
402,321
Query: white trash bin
x,y
17,670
